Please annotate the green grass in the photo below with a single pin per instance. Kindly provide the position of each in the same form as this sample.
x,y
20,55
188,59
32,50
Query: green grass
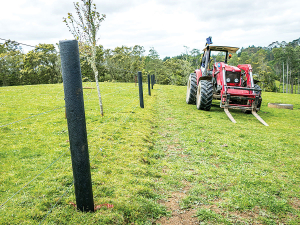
x,y
238,169
237,173
119,145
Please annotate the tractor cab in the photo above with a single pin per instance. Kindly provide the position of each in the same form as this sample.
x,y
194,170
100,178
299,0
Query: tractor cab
x,y
210,48
214,66
208,58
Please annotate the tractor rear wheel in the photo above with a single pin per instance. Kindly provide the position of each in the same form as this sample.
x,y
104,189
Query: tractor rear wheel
x,y
259,101
204,95
191,89
258,92
256,86
249,111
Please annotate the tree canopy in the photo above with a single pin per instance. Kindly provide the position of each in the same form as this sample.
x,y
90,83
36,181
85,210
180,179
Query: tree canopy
x,y
121,64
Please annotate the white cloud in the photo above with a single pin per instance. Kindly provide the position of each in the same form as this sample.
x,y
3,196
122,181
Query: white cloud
x,y
166,25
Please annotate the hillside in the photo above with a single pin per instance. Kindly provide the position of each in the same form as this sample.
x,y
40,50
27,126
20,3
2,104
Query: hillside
x,y
166,163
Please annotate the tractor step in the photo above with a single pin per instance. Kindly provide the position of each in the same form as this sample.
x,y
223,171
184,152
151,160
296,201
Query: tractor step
x,y
253,112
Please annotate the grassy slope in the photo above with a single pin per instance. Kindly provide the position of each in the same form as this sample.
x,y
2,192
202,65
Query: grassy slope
x,y
118,143
141,155
237,172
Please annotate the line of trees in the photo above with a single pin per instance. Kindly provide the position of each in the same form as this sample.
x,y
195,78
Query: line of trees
x,y
269,65
121,64
39,66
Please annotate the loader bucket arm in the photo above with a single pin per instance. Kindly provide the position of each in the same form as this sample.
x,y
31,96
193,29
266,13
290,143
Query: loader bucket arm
x,y
248,73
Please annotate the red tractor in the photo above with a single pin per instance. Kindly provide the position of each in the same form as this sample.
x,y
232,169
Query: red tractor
x,y
234,86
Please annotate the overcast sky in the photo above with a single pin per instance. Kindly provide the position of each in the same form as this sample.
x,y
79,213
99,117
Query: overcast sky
x,y
166,25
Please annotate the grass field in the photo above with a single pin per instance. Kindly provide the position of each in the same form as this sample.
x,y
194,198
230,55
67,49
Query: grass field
x,y
224,173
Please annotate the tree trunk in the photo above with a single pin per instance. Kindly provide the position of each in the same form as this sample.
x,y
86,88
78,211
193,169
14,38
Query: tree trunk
x,y
279,84
93,65
298,82
283,77
287,78
291,81
4,80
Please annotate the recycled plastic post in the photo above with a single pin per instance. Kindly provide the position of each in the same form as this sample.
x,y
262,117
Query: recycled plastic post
x,y
152,80
141,89
72,81
149,89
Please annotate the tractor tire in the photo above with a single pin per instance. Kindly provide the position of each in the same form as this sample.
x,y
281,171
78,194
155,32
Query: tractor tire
x,y
259,103
204,95
258,92
256,86
191,89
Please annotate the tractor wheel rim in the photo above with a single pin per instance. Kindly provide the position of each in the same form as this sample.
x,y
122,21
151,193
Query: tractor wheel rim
x,y
199,95
188,90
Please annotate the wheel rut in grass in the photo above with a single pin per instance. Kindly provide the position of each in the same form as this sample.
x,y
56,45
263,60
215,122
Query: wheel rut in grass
x,y
179,216
173,149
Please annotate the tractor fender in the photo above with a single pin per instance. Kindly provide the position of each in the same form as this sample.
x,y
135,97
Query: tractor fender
x,y
198,74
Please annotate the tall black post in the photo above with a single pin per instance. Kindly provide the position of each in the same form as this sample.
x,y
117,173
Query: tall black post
x,y
152,80
72,81
149,89
141,89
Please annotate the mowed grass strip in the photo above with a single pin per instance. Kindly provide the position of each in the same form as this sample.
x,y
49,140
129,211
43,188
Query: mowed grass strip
x,y
119,144
235,173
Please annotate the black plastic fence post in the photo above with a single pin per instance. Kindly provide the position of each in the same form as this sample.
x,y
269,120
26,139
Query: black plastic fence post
x,y
152,80
149,89
141,89
72,81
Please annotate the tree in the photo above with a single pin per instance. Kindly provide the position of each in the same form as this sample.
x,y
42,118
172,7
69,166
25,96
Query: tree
x,y
152,61
287,60
280,63
195,54
265,71
40,66
124,62
176,71
154,65
235,60
245,58
11,60
85,30
86,69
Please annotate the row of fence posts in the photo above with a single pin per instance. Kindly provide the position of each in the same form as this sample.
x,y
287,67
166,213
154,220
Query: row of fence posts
x,y
151,82
72,81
